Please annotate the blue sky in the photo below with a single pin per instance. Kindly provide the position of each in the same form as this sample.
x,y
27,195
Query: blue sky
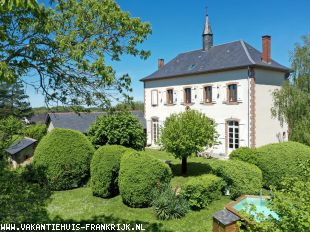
x,y
177,27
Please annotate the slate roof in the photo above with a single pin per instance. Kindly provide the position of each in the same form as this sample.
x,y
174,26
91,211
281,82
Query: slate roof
x,y
38,118
82,121
226,56
225,217
20,145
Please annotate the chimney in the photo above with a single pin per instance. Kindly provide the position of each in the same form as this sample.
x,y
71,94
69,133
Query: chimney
x,y
266,41
161,63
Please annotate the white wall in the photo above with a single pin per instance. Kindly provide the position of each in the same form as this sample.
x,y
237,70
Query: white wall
x,y
268,128
218,111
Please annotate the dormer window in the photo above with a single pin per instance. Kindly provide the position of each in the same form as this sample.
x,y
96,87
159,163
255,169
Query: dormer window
x,y
208,94
187,96
232,93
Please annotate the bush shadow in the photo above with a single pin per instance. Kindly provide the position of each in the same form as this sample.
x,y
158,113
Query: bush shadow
x,y
193,169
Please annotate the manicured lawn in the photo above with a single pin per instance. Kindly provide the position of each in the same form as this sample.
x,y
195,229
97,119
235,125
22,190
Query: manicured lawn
x,y
79,205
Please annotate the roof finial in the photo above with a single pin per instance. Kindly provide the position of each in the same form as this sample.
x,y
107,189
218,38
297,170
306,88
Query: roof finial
x,y
207,34
206,10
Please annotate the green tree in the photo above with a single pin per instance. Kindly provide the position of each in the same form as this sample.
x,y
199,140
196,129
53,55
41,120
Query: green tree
x,y
10,4
119,128
10,129
69,47
187,133
14,101
292,101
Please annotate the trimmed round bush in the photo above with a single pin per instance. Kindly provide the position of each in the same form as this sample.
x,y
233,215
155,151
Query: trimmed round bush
x,y
244,152
278,160
104,170
139,175
202,190
240,177
65,157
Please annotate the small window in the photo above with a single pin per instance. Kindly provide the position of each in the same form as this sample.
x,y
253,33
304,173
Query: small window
x,y
233,134
208,94
170,96
187,95
232,93
154,98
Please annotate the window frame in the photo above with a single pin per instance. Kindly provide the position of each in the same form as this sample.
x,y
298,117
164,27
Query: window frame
x,y
168,97
205,94
235,100
185,95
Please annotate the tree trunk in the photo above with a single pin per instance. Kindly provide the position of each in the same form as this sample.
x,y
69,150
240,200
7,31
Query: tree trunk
x,y
184,166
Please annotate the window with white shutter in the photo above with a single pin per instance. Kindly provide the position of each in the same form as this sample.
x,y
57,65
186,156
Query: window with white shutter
x,y
154,97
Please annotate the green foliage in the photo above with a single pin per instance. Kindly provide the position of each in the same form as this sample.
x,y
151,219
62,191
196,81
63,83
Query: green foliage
x,y
11,4
132,105
104,170
66,45
278,161
167,204
292,101
121,128
35,131
291,203
139,175
21,202
244,152
14,101
186,133
65,155
202,190
241,177
9,128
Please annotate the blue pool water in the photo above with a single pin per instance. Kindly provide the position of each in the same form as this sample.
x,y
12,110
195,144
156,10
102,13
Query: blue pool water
x,y
261,207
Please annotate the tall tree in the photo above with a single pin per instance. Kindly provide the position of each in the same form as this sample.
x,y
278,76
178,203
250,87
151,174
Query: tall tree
x,y
14,101
187,133
11,4
292,101
68,48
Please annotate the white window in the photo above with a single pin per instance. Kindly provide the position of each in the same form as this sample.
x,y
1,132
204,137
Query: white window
x,y
155,131
233,135
154,97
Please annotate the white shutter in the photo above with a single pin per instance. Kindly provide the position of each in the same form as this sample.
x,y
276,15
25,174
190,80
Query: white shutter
x,y
154,97
193,94
201,94
214,93
164,97
224,93
175,96
239,93
149,132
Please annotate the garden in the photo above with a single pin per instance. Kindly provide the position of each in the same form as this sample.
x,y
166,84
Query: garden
x,y
78,178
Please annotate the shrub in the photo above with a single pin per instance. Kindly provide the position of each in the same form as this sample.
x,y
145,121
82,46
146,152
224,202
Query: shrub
x,y
139,174
245,152
121,128
202,190
35,131
65,155
167,204
278,160
104,170
241,177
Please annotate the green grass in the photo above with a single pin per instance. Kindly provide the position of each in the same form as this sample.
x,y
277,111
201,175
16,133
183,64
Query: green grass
x,y
79,205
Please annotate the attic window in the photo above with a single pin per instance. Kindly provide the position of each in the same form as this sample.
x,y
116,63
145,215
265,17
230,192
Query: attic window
x,y
192,67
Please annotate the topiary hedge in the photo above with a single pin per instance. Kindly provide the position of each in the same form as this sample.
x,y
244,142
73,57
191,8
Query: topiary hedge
x,y
241,177
202,190
104,170
65,156
246,153
278,160
139,175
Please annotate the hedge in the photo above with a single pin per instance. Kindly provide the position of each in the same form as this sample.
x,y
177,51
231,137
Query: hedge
x,y
65,156
202,190
104,170
241,177
139,175
246,153
278,160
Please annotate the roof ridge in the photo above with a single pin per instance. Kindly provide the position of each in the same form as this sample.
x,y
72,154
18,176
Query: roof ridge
x,y
247,52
